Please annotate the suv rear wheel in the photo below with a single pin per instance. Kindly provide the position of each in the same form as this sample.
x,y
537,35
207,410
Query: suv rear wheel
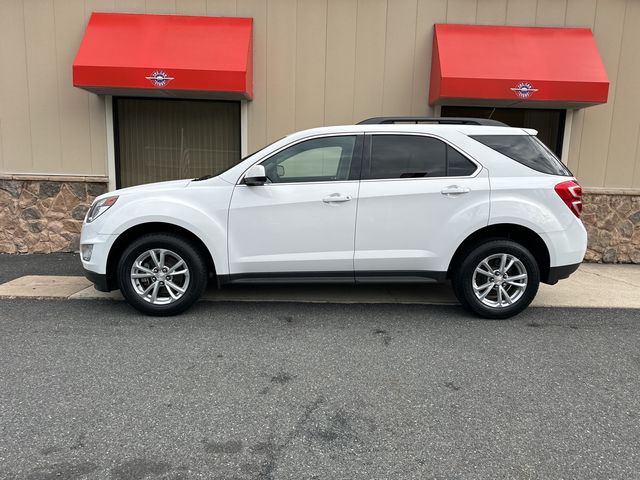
x,y
497,279
162,274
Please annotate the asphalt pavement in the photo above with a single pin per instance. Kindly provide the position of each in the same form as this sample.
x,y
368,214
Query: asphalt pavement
x,y
93,390
16,266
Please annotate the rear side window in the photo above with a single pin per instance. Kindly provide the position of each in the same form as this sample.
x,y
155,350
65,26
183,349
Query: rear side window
x,y
414,156
457,164
527,150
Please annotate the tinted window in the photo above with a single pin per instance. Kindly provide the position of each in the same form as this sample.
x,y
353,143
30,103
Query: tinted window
x,y
317,160
413,156
457,164
548,122
527,150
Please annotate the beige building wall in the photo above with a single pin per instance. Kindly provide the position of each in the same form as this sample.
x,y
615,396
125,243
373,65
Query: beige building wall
x,y
316,62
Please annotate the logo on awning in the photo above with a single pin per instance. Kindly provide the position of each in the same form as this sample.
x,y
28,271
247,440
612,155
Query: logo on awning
x,y
159,78
524,89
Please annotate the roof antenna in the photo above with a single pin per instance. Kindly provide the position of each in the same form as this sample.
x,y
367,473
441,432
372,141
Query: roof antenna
x,y
491,114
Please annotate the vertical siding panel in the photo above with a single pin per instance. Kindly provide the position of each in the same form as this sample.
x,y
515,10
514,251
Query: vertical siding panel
x,y
161,6
96,103
597,120
429,13
131,6
257,108
462,11
399,55
521,12
74,115
44,111
281,71
636,168
311,44
551,13
492,12
191,7
15,126
341,59
625,121
98,134
91,6
1,149
575,140
370,47
222,8
580,13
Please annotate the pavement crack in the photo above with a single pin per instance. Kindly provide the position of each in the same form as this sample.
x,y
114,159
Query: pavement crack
x,y
273,451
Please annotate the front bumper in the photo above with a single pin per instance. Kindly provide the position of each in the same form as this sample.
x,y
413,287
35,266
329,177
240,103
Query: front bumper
x,y
95,269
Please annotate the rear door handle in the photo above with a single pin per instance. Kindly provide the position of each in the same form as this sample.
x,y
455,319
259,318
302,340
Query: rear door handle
x,y
454,190
336,198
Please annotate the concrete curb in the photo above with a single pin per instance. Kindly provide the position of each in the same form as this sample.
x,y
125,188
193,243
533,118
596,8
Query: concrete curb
x,y
592,286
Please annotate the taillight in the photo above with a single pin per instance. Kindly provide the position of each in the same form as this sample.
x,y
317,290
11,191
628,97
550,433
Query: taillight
x,y
571,194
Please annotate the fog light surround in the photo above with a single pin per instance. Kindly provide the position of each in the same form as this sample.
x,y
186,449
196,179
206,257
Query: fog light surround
x,y
86,250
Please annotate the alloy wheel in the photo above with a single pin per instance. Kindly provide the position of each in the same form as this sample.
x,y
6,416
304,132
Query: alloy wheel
x,y
160,276
500,280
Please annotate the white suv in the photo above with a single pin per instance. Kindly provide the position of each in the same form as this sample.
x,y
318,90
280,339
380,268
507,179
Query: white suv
x,y
391,199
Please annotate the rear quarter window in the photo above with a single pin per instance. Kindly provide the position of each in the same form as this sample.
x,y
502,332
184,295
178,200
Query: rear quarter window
x,y
527,150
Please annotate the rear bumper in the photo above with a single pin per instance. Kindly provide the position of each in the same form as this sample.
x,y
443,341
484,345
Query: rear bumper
x,y
561,272
99,280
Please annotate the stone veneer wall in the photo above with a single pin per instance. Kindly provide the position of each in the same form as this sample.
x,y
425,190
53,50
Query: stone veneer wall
x,y
42,214
612,219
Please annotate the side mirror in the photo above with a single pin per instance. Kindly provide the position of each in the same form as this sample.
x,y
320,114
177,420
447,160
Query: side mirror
x,y
255,176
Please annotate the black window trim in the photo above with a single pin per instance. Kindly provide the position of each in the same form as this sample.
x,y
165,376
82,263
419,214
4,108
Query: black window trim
x,y
366,161
355,171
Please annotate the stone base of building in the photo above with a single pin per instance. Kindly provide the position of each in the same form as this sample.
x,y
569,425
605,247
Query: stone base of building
x,y
612,219
43,214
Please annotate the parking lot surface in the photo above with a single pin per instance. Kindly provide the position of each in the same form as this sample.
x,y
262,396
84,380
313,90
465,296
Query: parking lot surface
x,y
92,390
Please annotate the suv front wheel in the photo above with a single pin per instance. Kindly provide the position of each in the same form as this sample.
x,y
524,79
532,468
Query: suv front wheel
x,y
497,279
162,274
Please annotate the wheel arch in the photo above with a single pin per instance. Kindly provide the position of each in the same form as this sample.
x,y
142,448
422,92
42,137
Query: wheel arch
x,y
507,231
126,237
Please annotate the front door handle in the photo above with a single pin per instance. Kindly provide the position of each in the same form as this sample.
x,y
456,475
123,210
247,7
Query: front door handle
x,y
336,198
454,190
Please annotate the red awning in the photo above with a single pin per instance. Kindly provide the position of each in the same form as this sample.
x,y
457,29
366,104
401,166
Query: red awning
x,y
165,55
496,65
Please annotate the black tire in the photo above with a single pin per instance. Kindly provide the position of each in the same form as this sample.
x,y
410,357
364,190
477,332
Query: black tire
x,y
194,280
494,306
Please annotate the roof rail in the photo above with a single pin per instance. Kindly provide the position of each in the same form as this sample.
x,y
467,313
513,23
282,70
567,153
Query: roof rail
x,y
438,120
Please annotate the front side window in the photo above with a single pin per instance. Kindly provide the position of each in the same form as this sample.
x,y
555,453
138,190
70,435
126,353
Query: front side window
x,y
414,156
318,160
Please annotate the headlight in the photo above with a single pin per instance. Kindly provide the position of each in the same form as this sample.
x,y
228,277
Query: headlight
x,y
99,207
